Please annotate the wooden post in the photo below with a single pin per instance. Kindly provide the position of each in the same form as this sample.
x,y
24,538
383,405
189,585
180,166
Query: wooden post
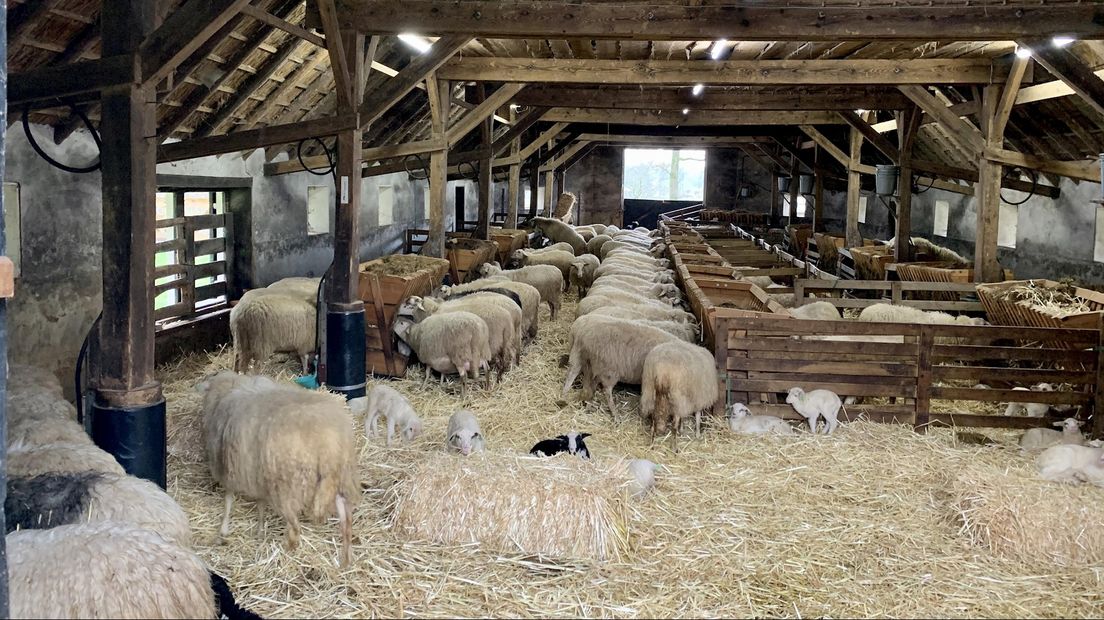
x,y
986,267
560,179
128,418
514,189
534,187
908,123
776,202
486,200
438,167
793,191
854,190
1098,389
921,416
818,199
549,193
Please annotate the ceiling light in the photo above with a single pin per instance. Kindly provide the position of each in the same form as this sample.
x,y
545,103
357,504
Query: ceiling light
x,y
416,41
1062,41
861,111
1023,52
686,110
718,49
698,88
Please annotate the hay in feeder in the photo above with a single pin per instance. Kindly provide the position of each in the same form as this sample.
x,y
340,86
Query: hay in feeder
x,y
1055,301
399,265
561,507
1019,516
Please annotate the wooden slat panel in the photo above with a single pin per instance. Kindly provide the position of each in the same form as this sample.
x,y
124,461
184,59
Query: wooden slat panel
x,y
825,346
798,378
199,222
170,222
1088,337
210,291
209,270
169,286
784,326
876,413
170,270
978,352
837,367
849,389
168,246
1017,396
818,356
1014,375
172,311
988,421
210,246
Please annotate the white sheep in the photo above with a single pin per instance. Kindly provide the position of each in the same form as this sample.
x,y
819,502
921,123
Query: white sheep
x,y
649,309
301,287
456,342
1031,410
463,433
679,381
268,321
650,291
33,431
501,315
34,378
557,231
1072,464
28,460
684,330
594,246
105,570
816,311
555,247
643,477
557,258
890,313
281,445
632,276
388,402
1039,438
545,278
582,272
741,421
528,295
811,405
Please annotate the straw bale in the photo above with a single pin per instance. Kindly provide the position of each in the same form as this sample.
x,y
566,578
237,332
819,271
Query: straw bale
x,y
1017,515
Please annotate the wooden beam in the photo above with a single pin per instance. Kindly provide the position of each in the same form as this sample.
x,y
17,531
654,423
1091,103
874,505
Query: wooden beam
x,y
406,80
184,31
483,111
513,190
854,186
867,132
273,99
255,138
986,266
1008,95
908,121
534,189
667,99
339,64
707,118
827,145
729,72
264,16
549,197
343,284
486,181
966,137
534,146
517,128
87,77
814,21
565,156
367,155
1079,170
681,141
1067,67
438,167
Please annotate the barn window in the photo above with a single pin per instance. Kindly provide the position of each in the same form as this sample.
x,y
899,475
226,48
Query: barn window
x,y
664,174
1098,249
801,203
386,204
318,209
190,260
11,223
1007,225
942,218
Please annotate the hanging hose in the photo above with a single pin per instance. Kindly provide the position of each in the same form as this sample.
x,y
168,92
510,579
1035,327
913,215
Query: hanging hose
x,y
892,212
1034,185
423,166
331,170
78,373
474,170
319,324
915,185
53,162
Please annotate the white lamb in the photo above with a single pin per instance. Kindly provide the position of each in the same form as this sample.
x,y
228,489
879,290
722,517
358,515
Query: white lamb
x,y
388,402
464,434
1031,410
742,422
1072,464
814,404
643,477
1039,438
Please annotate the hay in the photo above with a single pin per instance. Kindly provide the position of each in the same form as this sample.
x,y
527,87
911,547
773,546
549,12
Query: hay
x,y
564,205
562,507
398,265
861,523
1017,515
1054,301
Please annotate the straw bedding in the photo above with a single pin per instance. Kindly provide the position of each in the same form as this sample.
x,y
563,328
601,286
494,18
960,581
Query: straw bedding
x,y
862,523
1056,301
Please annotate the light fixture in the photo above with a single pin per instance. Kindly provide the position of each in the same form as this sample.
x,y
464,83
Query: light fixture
x,y
1023,52
1062,41
861,111
718,49
698,88
416,41
686,110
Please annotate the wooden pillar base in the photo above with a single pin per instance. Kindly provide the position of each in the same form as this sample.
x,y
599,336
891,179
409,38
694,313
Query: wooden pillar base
x,y
345,350
133,434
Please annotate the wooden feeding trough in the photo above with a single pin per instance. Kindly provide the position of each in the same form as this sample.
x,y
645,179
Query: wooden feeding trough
x,y
712,298
509,240
1041,303
871,261
465,256
385,283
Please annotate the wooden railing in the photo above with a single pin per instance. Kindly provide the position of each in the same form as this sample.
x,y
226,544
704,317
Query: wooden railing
x,y
187,269
683,213
897,291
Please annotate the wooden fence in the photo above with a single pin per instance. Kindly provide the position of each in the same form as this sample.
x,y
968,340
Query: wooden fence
x,y
187,267
898,292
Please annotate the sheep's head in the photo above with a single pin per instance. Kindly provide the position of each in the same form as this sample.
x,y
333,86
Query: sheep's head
x,y
517,256
407,307
737,411
662,263
1043,387
489,269
575,443
796,395
445,291
412,429
658,249
1070,425
464,440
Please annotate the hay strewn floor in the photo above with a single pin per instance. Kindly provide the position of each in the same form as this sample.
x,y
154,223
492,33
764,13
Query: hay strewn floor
x,y
858,524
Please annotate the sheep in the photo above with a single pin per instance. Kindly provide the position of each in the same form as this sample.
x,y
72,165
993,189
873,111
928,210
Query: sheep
x,y
1031,410
502,317
664,276
651,310
49,500
685,331
611,351
941,253
456,342
1039,438
627,260
586,232
555,247
643,476
557,258
557,231
811,405
105,570
889,313
679,380
598,228
629,298
582,272
817,311
594,246
41,431
1072,464
266,322
388,402
547,279
284,446
464,434
528,295
32,460
631,252
742,422
27,377
34,404
304,288
571,443
668,292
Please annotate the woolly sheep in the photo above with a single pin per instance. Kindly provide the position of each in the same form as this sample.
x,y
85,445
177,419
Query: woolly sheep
x,y
34,403
630,297
302,287
582,272
813,404
33,431
105,570
629,252
388,402
281,445
651,310
464,434
585,232
555,247
1039,438
816,311
1072,464
27,460
651,291
528,295
456,342
598,228
636,263
643,477
741,421
663,276
558,259
557,231
548,280
1031,410
611,351
501,315
679,381
889,313
266,322
49,500
594,246
685,331
34,378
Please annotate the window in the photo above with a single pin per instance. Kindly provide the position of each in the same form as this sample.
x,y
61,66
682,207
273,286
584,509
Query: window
x,y
664,174
942,218
862,209
1007,225
318,209
386,204
190,259
11,223
1098,250
425,202
801,202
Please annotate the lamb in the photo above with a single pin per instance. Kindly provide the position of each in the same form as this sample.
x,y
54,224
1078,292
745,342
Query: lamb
x,y
811,405
456,342
582,272
501,315
742,422
266,322
1072,464
388,402
817,311
685,331
25,460
464,434
284,446
1039,438
652,310
611,351
679,380
527,295
548,280
643,477
558,231
571,443
557,258
1031,410
304,288
49,500
594,246
105,570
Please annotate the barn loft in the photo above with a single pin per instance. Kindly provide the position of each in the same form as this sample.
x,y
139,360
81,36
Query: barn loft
x,y
895,201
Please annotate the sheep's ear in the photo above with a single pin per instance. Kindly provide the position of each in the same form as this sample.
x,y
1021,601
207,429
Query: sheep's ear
x,y
583,435
1062,423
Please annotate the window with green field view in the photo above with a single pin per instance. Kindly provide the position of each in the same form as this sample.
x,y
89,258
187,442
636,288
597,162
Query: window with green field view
x,y
664,174
190,259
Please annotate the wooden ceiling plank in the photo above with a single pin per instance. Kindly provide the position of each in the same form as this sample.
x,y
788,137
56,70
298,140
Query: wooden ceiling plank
x,y
1069,68
380,101
181,34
